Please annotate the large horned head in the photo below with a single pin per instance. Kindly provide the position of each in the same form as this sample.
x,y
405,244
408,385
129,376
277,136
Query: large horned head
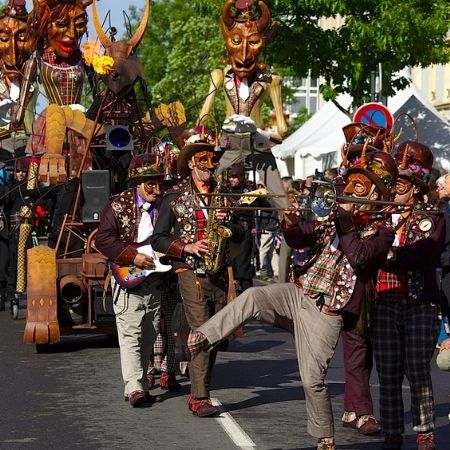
x,y
127,68
245,32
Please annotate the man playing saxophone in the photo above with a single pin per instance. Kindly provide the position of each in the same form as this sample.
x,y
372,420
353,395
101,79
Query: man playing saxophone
x,y
195,238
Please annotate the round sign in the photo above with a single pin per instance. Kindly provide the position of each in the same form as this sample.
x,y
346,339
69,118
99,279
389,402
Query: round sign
x,y
374,114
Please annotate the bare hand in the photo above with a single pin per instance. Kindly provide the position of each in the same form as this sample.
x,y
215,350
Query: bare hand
x,y
221,215
198,248
292,215
349,207
144,261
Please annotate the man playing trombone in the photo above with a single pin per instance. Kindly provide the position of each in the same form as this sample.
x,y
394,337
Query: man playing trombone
x,y
347,249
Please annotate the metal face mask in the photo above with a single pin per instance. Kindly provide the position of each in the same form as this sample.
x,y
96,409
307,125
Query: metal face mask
x,y
358,185
245,34
205,161
66,29
244,44
16,45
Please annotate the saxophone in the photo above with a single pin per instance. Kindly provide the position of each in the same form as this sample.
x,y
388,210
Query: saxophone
x,y
217,235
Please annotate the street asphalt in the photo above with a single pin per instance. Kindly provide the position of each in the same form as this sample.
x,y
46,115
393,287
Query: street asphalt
x,y
71,398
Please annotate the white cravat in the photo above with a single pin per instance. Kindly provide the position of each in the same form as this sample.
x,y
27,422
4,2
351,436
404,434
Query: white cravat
x,y
145,229
244,91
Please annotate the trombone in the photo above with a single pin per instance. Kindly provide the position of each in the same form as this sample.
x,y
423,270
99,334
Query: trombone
x,y
321,202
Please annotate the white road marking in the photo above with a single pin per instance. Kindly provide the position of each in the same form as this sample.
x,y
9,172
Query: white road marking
x,y
232,428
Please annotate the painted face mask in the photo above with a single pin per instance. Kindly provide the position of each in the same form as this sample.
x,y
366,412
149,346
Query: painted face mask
x,y
358,185
66,29
152,187
244,34
205,160
16,45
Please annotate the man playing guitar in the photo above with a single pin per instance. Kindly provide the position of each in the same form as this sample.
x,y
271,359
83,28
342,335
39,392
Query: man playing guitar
x,y
127,223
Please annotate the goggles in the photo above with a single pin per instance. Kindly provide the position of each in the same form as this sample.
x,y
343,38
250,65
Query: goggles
x,y
403,186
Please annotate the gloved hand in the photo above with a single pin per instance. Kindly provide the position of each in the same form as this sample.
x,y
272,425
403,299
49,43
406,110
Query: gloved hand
x,y
237,123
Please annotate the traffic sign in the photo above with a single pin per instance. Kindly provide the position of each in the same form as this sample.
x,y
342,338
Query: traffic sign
x,y
374,114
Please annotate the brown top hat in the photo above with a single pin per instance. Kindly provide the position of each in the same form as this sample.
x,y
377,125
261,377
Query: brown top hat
x,y
415,161
380,168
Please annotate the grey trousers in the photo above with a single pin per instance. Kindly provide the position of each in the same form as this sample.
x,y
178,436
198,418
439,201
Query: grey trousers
x,y
316,337
137,317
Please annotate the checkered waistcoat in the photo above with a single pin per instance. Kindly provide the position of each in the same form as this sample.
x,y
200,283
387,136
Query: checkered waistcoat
x,y
330,273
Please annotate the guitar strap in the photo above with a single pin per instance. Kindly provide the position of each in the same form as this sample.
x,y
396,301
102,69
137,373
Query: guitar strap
x,y
105,288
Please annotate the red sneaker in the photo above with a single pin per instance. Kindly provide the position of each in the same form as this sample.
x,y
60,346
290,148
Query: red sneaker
x,y
425,441
202,407
169,382
151,380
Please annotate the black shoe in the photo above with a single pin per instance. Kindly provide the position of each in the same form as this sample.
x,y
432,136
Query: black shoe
x,y
2,302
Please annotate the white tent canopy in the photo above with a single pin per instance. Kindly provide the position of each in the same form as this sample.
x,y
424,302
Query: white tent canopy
x,y
317,143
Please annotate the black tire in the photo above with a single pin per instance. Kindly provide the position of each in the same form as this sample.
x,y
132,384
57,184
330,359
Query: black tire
x,y
42,348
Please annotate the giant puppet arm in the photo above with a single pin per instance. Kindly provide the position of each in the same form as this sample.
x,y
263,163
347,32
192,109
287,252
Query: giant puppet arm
x,y
215,85
274,88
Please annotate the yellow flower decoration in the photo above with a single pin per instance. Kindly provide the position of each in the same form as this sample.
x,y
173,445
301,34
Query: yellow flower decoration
x,y
103,64
90,50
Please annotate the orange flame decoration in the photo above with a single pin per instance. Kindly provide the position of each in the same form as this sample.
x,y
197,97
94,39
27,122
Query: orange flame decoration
x,y
91,53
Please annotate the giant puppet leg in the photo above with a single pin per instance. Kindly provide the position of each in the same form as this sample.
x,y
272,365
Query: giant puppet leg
x,y
53,163
42,320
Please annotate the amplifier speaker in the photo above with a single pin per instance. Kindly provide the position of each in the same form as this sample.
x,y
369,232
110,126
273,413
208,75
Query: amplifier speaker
x,y
96,186
103,311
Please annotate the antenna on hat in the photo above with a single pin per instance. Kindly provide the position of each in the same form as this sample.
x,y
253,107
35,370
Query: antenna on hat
x,y
404,164
363,154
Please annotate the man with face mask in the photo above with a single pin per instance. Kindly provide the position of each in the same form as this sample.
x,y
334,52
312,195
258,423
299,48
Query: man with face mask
x,y
346,249
404,316
180,233
246,82
126,224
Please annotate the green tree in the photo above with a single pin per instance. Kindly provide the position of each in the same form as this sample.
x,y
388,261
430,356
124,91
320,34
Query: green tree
x,y
179,50
393,33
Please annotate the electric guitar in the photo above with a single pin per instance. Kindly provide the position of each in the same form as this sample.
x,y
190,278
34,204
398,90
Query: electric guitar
x,y
130,276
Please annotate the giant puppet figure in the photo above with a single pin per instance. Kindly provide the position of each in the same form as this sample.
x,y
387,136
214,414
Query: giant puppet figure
x,y
17,40
246,82
60,25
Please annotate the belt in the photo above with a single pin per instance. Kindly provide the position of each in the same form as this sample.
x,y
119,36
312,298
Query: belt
x,y
326,310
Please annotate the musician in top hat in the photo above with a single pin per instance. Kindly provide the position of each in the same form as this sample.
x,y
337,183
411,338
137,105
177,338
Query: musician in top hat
x,y
404,316
126,224
346,250
186,231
